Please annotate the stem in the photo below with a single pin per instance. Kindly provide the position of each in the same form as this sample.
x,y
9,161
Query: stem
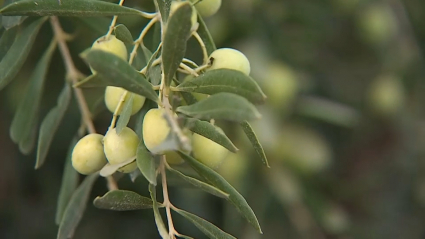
x,y
118,109
74,75
203,47
139,40
171,230
188,70
113,23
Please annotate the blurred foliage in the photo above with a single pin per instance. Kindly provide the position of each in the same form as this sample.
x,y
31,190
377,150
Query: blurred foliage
x,y
343,127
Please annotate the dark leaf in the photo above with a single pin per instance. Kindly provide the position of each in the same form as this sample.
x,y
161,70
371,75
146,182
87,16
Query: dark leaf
x,y
174,44
26,116
205,35
205,226
75,208
146,163
158,219
125,113
199,184
18,52
122,200
164,8
68,8
249,132
112,70
218,181
225,80
6,40
50,125
68,186
225,106
122,33
210,131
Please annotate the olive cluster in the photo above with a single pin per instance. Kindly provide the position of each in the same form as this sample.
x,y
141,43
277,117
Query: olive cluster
x,y
94,151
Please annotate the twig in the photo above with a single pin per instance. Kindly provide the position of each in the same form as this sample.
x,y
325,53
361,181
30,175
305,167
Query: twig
x,y
203,47
171,230
73,74
114,22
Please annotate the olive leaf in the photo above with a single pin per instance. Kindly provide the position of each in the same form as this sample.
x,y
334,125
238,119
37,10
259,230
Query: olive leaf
x,y
146,163
6,40
209,229
50,125
205,35
122,33
75,208
210,131
224,80
218,181
249,132
158,219
125,113
25,119
68,185
67,8
122,200
199,184
18,52
225,106
176,35
114,71
164,8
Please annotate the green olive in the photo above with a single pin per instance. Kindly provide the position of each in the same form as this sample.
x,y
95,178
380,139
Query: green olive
x,y
88,156
113,96
121,147
229,59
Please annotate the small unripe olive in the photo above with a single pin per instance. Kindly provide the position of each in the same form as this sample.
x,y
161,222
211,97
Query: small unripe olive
x,y
176,4
229,59
88,156
386,95
113,96
207,151
121,147
128,168
155,128
208,7
111,45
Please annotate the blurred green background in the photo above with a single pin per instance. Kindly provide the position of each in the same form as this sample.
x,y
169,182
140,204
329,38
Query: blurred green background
x,y
343,127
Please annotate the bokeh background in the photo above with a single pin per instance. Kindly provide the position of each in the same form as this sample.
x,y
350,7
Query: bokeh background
x,y
343,127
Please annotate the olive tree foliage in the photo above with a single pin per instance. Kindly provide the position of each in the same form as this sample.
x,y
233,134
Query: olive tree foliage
x,y
160,74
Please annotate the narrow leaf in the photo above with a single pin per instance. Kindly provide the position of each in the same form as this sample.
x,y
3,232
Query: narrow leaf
x,y
68,186
209,229
12,21
123,34
225,80
114,71
205,35
164,8
125,113
50,125
122,200
249,132
174,44
225,106
68,8
18,52
146,163
76,207
158,219
110,169
26,116
218,181
199,184
6,40
211,132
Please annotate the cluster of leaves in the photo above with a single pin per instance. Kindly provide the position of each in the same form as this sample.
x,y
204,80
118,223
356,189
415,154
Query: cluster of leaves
x,y
233,95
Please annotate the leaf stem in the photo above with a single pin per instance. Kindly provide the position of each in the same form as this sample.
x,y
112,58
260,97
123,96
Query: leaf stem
x,y
113,22
203,47
171,230
73,74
